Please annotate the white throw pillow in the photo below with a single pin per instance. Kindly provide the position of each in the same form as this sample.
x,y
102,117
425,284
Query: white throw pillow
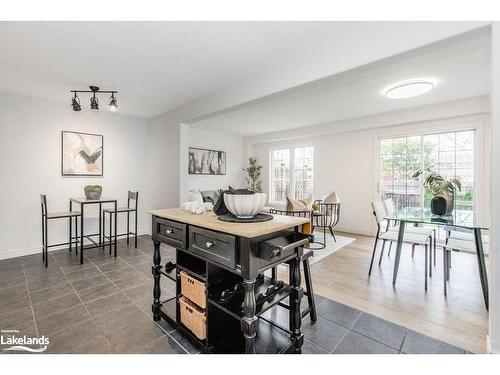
x,y
195,195
332,198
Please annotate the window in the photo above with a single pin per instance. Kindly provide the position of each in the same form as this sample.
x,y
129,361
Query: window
x,y
450,154
291,173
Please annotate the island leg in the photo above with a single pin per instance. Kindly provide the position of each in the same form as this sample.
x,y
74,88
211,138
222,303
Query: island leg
x,y
249,321
156,286
296,294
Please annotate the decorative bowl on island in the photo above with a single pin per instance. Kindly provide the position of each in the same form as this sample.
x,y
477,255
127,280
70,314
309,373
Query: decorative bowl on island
x,y
245,206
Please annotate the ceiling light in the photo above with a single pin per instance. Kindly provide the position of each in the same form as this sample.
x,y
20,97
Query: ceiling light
x,y
113,103
75,102
409,89
94,101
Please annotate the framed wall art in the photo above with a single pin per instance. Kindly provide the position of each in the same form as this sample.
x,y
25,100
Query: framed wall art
x,y
210,162
81,154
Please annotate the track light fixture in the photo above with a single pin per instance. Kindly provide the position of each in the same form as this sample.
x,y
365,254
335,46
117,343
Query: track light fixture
x,y
94,101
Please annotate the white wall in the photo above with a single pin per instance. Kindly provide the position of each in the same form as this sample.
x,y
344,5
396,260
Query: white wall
x,y
233,145
30,154
346,161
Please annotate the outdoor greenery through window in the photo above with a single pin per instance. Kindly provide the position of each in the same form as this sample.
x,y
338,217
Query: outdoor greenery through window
x,y
451,154
291,173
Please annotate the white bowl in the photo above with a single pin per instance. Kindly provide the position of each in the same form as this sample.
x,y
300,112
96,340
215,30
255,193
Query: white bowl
x,y
245,206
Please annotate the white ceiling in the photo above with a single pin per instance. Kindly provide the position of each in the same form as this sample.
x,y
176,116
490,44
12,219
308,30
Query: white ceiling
x,y
157,66
460,67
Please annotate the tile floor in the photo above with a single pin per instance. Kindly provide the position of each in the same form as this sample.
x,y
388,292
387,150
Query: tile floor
x,y
104,306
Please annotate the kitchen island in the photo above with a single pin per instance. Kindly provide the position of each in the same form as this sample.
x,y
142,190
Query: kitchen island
x,y
221,290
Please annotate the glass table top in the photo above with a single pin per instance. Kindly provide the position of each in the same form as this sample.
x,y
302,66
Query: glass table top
x,y
458,218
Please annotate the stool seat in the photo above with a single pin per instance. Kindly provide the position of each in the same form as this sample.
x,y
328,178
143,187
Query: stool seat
x,y
58,215
119,209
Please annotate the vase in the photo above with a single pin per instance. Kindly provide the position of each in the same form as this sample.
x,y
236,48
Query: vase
x,y
92,193
450,203
439,205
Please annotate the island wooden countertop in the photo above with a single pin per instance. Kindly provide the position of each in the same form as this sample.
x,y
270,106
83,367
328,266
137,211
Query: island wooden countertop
x,y
209,220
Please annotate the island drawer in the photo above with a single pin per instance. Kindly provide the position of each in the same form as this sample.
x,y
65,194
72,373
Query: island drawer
x,y
171,232
213,246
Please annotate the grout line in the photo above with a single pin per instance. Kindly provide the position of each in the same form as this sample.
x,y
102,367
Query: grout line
x,y
31,304
348,330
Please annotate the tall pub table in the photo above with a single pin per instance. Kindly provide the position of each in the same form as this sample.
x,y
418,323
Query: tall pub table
x,y
82,201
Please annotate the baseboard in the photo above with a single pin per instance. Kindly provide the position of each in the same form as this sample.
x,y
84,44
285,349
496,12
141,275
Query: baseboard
x,y
489,349
14,253
353,231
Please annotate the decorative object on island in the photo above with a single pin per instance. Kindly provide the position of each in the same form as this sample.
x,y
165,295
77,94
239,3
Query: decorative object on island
x,y
245,206
93,192
94,102
202,161
441,188
253,172
81,154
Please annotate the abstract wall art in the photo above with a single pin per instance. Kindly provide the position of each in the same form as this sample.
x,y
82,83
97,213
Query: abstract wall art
x,y
81,154
202,161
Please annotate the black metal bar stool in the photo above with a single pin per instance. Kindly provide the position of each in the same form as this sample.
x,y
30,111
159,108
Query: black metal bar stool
x,y
327,216
309,292
132,197
57,215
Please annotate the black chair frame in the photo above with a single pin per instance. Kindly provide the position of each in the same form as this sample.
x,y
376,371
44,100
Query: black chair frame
x,y
327,216
131,196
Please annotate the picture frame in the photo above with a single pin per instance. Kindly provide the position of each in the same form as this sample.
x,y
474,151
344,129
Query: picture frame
x,y
82,154
203,161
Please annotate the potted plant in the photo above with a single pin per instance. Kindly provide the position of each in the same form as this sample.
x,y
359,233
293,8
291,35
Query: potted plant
x,y
253,172
93,192
442,188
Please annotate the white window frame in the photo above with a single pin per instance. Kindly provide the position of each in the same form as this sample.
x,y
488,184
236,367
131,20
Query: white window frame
x,y
291,184
478,124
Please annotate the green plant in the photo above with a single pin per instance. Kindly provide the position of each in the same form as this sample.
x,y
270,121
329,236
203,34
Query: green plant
x,y
253,172
94,186
436,184
315,207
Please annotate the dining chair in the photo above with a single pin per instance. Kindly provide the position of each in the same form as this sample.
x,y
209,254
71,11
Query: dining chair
x,y
46,216
309,292
390,209
132,204
391,235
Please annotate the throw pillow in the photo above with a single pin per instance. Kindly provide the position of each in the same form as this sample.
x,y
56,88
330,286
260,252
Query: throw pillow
x,y
299,204
332,198
195,195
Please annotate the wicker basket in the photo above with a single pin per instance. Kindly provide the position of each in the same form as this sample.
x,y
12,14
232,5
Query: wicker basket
x,y
193,318
193,289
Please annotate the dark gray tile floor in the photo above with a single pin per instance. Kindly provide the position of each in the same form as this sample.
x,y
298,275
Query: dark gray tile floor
x,y
104,306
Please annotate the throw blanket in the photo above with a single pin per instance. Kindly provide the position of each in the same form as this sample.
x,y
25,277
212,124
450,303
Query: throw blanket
x,y
220,207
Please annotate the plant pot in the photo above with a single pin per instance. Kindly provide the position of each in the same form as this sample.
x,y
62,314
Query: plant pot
x,y
438,205
450,203
92,193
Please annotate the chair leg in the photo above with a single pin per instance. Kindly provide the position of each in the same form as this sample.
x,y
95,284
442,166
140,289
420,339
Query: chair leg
x,y
76,234
448,264
333,234
435,246
103,230
310,291
46,245
324,235
425,268
430,258
110,230
135,234
373,254
382,252
43,239
389,252
70,230
128,227
445,271
412,250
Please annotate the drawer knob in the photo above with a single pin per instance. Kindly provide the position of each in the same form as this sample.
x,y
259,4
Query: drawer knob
x,y
274,253
170,231
209,244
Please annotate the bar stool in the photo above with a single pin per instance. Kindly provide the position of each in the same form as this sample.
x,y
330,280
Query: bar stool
x,y
58,215
132,196
309,292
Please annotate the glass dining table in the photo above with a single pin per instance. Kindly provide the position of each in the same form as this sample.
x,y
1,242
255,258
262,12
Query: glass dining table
x,y
458,220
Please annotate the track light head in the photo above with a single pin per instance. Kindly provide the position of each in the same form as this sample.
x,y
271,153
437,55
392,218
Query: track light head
x,y
113,103
94,102
75,102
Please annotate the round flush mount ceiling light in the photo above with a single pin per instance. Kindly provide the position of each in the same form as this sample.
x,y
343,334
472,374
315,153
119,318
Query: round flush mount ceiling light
x,y
409,89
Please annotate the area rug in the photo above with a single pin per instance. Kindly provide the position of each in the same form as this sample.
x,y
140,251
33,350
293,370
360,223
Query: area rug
x,y
331,246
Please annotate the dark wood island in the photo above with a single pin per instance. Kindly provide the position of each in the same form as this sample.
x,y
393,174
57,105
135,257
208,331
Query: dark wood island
x,y
221,290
